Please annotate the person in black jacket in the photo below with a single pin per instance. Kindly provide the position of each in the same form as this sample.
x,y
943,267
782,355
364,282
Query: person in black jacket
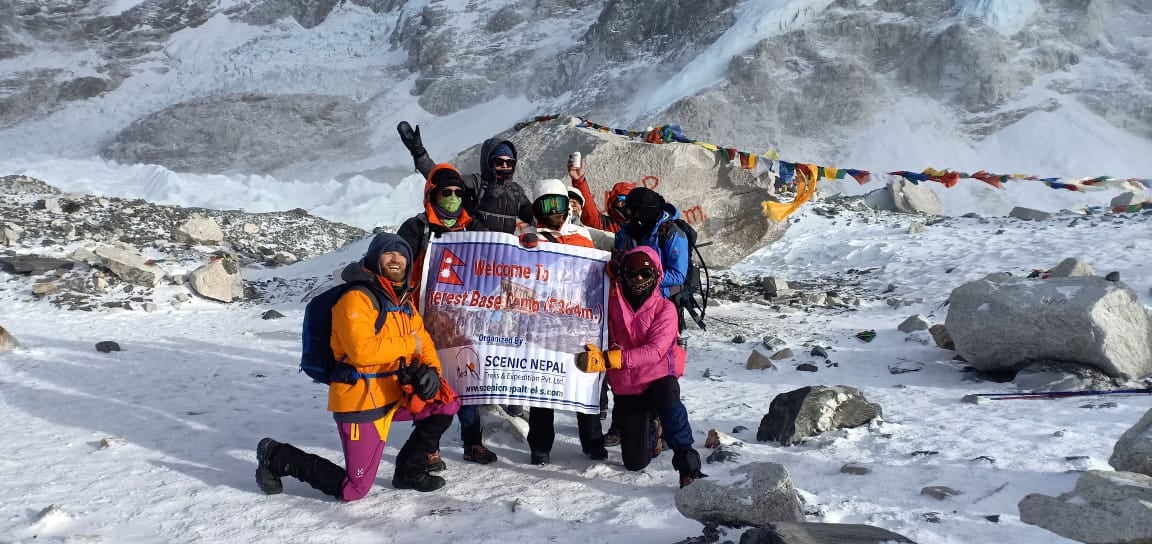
x,y
495,201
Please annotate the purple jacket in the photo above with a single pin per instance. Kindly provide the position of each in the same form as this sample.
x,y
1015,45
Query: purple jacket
x,y
647,337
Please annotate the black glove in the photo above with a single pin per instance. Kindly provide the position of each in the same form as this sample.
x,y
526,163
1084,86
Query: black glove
x,y
426,382
344,373
411,139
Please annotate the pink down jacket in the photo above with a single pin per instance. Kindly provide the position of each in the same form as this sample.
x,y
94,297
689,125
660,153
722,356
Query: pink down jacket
x,y
647,337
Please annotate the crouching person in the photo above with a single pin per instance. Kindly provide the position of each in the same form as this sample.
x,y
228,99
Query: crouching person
x,y
643,365
389,371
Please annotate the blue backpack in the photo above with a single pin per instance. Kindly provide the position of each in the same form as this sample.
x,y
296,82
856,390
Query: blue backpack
x,y
317,359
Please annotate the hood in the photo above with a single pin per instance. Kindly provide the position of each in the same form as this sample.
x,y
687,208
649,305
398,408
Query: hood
x,y
384,242
429,186
486,171
441,169
655,258
621,188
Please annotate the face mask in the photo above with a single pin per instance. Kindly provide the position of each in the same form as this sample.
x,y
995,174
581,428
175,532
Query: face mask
x,y
450,204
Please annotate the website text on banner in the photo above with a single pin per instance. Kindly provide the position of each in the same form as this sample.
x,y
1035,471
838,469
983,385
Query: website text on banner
x,y
508,321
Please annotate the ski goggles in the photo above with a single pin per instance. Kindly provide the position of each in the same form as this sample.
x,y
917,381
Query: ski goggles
x,y
552,204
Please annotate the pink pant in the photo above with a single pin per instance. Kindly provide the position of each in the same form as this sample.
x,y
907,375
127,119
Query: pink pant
x,y
362,455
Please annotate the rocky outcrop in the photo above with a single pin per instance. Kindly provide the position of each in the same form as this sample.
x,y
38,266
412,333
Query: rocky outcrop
x,y
1133,451
1003,322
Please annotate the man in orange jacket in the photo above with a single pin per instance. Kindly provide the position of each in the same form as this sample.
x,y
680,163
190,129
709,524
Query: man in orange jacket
x,y
397,378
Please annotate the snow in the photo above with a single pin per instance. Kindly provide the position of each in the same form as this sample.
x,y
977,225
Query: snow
x,y
1006,16
195,388
116,7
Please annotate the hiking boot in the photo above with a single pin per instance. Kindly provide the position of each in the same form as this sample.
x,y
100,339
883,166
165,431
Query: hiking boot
x,y
419,481
654,429
541,458
687,478
612,438
600,454
435,463
479,454
266,478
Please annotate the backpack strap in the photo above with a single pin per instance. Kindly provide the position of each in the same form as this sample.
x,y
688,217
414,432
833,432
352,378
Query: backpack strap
x,y
382,310
549,236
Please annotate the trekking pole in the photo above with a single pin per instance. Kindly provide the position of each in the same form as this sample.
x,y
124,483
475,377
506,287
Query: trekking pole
x,y
1042,395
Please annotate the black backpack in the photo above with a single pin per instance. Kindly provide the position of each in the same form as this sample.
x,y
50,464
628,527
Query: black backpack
x,y
693,294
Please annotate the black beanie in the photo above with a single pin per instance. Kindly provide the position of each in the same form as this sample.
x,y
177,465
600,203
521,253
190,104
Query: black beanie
x,y
643,197
447,177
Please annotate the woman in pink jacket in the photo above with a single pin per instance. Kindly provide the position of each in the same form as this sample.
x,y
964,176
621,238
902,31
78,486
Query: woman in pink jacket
x,y
643,364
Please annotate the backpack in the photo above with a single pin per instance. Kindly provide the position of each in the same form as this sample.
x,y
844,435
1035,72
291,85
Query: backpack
x,y
316,357
686,297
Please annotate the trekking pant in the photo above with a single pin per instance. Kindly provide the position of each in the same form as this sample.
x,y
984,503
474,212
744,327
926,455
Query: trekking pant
x,y
632,414
363,445
542,430
471,430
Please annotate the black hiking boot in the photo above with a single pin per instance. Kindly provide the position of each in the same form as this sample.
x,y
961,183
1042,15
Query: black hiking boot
x,y
267,478
419,481
541,458
598,454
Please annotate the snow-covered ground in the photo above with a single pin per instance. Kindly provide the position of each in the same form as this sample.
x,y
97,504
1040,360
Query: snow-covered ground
x,y
185,402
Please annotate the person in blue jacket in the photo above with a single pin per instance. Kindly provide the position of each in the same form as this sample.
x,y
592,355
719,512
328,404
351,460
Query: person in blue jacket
x,y
651,223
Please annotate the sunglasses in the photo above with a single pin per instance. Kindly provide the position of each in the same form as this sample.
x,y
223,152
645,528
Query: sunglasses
x,y
552,204
642,273
445,193
500,161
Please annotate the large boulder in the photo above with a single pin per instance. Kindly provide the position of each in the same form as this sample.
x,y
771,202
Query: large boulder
x,y
130,266
722,201
198,229
908,197
1104,508
219,279
764,495
1133,452
1003,323
809,411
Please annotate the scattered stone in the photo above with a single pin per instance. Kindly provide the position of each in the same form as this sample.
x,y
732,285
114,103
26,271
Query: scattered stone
x,y
1112,276
821,533
739,339
10,234
905,367
773,343
182,297
994,518
974,399
1071,267
7,341
250,228
106,443
219,279
739,429
774,286
757,360
891,288
283,257
785,353
940,335
809,411
721,455
50,205
271,314
1133,451
894,302
939,492
763,496
818,351
33,265
1062,432
130,266
915,227
107,346
988,459
852,468
1076,458
1028,214
198,230
1104,506
925,453
45,288
1126,199
149,307
807,367
914,323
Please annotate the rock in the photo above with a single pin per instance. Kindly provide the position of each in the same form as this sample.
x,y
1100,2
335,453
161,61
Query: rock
x,y
283,257
1112,276
250,228
1105,507
974,399
1133,451
219,279
774,287
107,346
910,197
198,230
858,470
45,288
271,314
50,205
941,337
757,360
1071,267
763,496
905,367
880,199
821,533
809,411
1028,214
1061,377
785,353
129,266
915,227
33,265
108,443
1128,198
7,341
807,367
939,492
818,351
149,307
10,233
914,323
1001,323
773,343
894,302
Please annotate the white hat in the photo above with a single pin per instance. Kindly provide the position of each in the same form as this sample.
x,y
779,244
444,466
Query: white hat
x,y
576,194
549,187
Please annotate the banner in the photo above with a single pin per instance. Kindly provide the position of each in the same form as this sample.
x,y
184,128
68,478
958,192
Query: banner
x,y
508,321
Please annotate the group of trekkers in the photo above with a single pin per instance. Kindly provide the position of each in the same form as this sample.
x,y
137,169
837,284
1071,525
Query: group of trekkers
x,y
376,330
